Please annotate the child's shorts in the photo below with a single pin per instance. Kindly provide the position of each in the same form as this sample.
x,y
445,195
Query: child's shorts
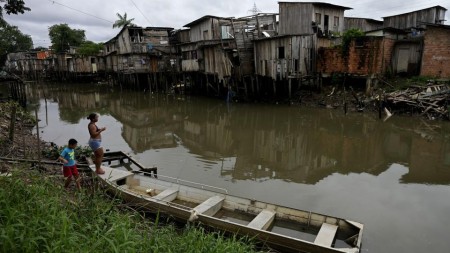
x,y
69,171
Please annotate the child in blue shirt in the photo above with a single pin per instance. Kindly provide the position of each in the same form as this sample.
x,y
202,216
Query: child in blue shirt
x,y
67,156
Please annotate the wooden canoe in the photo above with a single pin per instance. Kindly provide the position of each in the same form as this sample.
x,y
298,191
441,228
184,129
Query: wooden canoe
x,y
280,227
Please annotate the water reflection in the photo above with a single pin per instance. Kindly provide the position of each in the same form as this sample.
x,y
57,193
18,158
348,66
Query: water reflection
x,y
261,142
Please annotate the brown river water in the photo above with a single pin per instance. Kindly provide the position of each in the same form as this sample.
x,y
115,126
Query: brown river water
x,y
393,176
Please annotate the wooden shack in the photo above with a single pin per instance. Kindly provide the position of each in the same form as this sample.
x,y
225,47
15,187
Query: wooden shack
x,y
207,57
416,19
291,56
323,19
246,30
32,64
363,24
409,50
142,56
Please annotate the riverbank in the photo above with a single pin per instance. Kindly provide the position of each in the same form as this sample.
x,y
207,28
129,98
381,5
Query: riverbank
x,y
418,97
39,215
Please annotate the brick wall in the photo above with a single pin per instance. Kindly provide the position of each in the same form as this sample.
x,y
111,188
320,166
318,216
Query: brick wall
x,y
436,52
369,55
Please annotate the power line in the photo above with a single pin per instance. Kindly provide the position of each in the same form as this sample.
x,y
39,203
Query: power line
x,y
54,2
140,11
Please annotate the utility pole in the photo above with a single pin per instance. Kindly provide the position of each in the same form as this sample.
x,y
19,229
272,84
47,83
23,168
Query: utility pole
x,y
254,10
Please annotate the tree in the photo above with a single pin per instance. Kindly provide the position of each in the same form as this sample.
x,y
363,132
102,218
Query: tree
x,y
13,7
89,48
122,21
63,37
13,40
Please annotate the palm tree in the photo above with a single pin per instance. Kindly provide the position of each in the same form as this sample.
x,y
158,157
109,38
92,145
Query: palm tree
x,y
122,21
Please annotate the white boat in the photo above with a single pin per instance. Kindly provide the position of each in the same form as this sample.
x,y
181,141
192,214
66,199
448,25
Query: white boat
x,y
282,228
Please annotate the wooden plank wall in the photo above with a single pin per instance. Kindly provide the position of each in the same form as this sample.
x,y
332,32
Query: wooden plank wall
x,y
361,24
295,18
211,25
217,62
297,50
414,19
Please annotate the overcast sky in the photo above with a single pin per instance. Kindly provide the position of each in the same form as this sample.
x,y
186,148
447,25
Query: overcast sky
x,y
97,16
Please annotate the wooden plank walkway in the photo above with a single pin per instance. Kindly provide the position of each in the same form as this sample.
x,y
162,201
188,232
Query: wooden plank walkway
x,y
112,174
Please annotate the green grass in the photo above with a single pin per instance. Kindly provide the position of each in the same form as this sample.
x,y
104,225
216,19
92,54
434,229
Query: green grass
x,y
38,215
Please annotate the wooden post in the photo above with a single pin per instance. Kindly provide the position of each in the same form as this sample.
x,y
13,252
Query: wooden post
x,y
149,83
257,84
38,138
252,80
12,124
380,104
274,87
290,88
345,101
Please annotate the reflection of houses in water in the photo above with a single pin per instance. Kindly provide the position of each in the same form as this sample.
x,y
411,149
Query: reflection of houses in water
x,y
149,127
435,156
270,145
145,138
75,103
210,139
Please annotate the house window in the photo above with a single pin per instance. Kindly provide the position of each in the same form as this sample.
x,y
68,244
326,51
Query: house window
x,y
280,52
185,55
318,18
205,35
226,32
336,21
295,65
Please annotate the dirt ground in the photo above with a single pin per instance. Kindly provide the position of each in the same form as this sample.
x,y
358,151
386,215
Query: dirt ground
x,y
22,150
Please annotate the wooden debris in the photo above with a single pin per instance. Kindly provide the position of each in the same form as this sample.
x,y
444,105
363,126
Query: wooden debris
x,y
432,101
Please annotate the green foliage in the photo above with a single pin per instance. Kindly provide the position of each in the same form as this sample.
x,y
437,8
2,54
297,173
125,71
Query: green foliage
x,y
24,116
13,7
347,38
38,215
63,37
123,21
89,48
53,152
13,40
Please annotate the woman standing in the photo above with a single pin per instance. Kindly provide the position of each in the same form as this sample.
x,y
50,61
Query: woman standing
x,y
95,142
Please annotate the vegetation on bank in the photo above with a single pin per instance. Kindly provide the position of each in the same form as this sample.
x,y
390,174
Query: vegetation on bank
x,y
38,215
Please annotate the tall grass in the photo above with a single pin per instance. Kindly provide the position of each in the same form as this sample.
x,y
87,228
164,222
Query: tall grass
x,y
38,215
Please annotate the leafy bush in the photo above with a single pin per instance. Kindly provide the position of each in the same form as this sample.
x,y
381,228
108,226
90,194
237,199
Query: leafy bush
x,y
347,38
53,151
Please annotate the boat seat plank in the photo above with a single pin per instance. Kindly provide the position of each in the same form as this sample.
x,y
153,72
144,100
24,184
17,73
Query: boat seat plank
x,y
112,174
167,195
211,206
263,220
326,235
